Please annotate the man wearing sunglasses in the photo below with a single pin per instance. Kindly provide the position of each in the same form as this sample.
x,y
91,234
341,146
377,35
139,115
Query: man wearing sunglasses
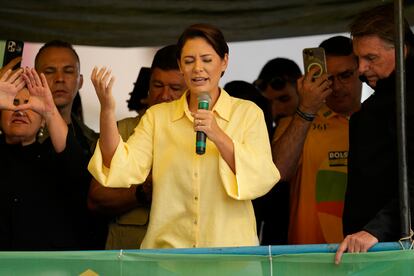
x,y
310,148
277,82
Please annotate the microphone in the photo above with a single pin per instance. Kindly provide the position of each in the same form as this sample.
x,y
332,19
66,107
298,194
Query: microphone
x,y
204,100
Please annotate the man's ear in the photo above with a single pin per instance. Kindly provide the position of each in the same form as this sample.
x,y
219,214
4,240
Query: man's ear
x,y
80,81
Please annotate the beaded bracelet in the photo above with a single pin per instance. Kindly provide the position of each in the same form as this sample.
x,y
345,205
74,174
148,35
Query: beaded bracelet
x,y
305,116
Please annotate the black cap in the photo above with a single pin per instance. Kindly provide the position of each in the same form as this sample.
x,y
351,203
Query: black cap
x,y
281,69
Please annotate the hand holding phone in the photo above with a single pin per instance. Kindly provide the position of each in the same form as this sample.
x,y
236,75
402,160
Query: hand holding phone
x,y
13,51
314,57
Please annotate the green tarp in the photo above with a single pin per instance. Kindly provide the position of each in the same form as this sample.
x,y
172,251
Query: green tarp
x,y
159,22
399,262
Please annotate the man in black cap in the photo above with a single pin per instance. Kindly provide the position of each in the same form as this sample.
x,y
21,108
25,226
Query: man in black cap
x,y
277,81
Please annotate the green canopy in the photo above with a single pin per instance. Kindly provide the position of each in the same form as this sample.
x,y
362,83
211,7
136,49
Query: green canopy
x,y
124,23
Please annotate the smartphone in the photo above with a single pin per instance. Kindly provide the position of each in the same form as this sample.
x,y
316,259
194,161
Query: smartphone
x,y
314,57
11,49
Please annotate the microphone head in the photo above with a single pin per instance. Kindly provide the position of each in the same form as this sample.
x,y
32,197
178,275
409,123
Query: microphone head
x,y
204,100
204,97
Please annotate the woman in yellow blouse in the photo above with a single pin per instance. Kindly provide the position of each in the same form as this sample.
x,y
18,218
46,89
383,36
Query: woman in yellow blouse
x,y
198,200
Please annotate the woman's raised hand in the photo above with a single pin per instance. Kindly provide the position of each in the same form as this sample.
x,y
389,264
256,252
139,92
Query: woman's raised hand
x,y
41,99
10,84
103,81
109,137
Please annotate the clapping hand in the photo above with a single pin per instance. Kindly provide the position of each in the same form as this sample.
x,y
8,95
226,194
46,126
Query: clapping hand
x,y
10,84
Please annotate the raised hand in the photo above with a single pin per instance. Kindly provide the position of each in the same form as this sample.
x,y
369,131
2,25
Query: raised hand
x,y
313,92
10,84
41,99
103,82
109,137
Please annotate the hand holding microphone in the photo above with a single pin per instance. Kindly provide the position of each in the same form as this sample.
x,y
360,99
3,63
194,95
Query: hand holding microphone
x,y
204,100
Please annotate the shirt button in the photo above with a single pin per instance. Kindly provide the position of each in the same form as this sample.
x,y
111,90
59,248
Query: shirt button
x,y
196,198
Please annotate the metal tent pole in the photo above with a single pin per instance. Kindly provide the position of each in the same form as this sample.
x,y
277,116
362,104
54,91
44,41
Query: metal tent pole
x,y
401,122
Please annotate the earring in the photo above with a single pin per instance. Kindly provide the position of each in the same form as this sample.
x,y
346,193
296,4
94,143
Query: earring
x,y
40,133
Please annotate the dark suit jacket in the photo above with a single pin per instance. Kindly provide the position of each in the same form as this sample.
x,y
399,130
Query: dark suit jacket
x,y
372,201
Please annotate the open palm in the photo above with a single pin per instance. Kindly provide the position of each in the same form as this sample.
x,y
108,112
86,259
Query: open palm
x,y
10,84
41,100
103,81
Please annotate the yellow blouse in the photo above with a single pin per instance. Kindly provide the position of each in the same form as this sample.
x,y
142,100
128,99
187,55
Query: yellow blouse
x,y
197,200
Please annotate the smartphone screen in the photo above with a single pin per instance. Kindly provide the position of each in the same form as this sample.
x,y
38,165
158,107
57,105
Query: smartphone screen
x,y
11,49
314,57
